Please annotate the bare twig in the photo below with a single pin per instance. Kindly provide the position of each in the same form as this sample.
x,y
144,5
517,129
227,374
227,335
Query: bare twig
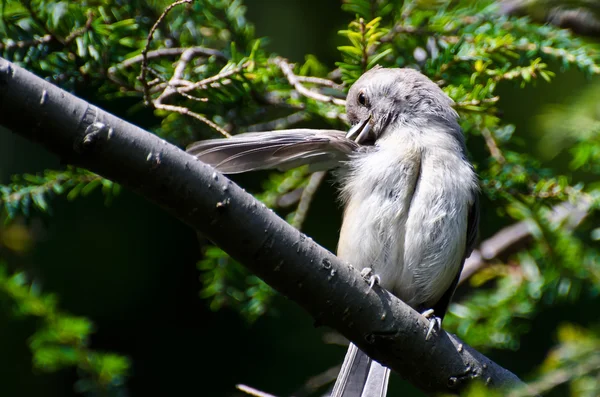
x,y
26,43
78,32
187,112
287,71
177,85
492,146
558,377
171,89
168,52
252,391
202,84
144,70
318,381
320,81
307,196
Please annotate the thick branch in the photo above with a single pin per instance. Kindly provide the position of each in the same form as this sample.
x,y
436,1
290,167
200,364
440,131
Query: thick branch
x,y
333,292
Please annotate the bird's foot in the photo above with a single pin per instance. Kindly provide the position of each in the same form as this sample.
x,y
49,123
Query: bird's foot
x,y
434,322
370,277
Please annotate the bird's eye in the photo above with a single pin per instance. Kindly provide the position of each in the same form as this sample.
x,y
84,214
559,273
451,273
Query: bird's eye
x,y
362,98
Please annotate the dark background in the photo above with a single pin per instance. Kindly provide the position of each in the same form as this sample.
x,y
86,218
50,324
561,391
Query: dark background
x,y
131,268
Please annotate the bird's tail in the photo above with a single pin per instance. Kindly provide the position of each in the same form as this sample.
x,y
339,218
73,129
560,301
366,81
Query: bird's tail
x,y
360,376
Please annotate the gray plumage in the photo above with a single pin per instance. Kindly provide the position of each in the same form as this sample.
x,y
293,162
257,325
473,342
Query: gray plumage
x,y
283,150
410,194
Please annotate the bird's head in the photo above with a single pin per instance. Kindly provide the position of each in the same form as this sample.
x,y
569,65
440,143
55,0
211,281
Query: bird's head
x,y
383,97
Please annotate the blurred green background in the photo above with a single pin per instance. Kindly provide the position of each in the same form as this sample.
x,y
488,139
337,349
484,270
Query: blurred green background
x,y
131,268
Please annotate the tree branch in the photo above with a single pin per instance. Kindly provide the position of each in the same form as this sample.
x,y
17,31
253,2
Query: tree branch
x,y
332,291
513,237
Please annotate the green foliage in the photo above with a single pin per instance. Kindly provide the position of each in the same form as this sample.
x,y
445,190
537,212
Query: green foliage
x,y
226,283
365,51
61,339
29,190
207,73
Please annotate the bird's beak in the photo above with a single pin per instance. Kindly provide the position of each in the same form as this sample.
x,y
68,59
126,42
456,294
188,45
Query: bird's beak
x,y
363,129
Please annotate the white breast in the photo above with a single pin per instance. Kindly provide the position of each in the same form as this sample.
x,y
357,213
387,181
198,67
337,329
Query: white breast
x,y
406,213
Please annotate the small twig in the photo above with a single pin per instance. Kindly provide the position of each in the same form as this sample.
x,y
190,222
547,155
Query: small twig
x,y
558,377
144,70
26,43
320,81
177,85
191,97
168,52
287,71
187,112
252,391
492,146
78,32
318,381
162,53
306,198
171,88
202,84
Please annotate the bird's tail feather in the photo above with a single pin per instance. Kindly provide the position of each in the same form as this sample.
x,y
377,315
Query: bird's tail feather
x,y
360,376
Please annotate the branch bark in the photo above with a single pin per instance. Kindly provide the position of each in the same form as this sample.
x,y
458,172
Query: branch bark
x,y
333,292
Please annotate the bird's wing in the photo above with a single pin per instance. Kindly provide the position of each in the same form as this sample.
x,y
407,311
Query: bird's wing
x,y
283,150
360,376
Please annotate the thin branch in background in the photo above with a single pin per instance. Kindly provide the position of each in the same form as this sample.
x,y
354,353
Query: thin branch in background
x,y
45,39
144,70
252,391
511,238
168,52
171,86
316,382
492,146
209,81
187,112
320,81
157,54
306,199
78,32
169,90
558,377
287,71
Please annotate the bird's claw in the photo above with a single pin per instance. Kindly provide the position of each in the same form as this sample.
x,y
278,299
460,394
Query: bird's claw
x,y
372,279
433,322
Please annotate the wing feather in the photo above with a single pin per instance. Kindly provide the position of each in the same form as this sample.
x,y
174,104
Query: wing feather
x,y
285,149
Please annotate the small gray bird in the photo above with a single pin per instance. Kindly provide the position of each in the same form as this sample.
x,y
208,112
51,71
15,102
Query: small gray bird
x,y
410,194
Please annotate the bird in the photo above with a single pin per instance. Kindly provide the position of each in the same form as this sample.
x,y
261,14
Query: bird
x,y
410,194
